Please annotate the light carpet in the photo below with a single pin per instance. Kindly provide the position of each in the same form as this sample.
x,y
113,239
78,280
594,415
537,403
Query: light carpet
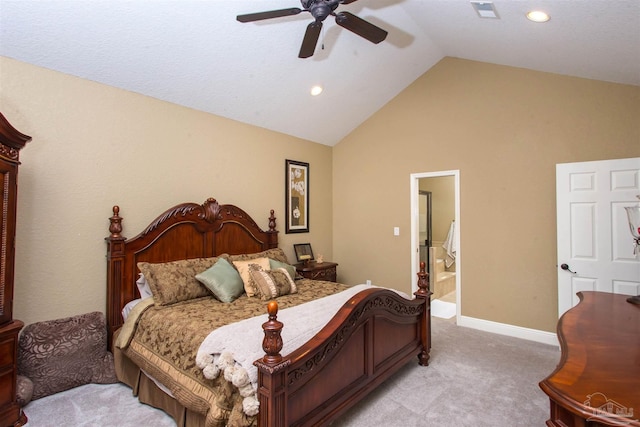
x,y
442,309
474,379
94,405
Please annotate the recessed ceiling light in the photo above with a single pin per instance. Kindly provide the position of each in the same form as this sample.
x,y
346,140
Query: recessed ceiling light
x,y
316,90
537,16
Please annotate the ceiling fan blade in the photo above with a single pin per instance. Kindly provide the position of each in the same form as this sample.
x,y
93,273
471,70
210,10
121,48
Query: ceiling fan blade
x,y
250,17
361,27
347,1
310,39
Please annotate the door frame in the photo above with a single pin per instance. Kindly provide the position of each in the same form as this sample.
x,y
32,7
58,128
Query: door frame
x,y
429,230
415,230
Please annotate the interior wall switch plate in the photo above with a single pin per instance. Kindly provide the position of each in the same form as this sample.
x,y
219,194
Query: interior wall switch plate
x,y
396,231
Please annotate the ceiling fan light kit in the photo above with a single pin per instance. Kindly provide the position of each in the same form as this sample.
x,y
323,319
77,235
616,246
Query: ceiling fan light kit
x,y
320,10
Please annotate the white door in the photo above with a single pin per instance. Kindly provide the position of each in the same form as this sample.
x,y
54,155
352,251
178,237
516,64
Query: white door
x,y
595,245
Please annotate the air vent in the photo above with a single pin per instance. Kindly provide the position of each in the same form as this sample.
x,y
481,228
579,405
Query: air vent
x,y
485,9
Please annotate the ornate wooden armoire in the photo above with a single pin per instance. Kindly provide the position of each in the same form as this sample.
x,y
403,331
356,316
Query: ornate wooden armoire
x,y
11,142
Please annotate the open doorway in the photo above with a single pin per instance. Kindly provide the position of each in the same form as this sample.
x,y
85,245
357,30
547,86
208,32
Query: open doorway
x,y
435,237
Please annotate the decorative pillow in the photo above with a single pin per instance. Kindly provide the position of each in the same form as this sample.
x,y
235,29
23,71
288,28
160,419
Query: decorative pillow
x,y
243,269
57,355
143,287
273,264
222,280
275,253
175,281
273,283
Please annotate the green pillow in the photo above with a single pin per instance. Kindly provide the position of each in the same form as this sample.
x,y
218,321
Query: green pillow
x,y
274,265
222,280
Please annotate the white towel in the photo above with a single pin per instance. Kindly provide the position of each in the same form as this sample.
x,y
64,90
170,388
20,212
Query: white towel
x,y
449,246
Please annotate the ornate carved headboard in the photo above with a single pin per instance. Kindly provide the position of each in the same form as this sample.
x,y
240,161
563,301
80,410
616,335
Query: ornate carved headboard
x,y
187,230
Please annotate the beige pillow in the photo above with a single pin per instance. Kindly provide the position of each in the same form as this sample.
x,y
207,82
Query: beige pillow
x,y
273,283
243,269
175,281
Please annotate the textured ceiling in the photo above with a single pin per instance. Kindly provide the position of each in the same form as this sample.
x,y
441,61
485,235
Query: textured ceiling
x,y
195,53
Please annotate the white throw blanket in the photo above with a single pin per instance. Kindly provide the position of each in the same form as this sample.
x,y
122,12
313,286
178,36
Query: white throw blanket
x,y
233,348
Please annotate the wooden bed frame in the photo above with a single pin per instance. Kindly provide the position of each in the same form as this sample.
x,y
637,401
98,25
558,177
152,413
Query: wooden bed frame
x,y
372,336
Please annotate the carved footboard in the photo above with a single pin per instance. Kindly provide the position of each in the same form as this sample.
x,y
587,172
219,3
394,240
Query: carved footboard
x,y
372,336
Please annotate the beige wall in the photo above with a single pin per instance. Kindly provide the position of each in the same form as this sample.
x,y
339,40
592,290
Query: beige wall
x,y
95,146
505,129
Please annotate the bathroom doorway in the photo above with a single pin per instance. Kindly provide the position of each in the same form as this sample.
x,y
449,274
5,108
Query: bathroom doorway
x,y
435,236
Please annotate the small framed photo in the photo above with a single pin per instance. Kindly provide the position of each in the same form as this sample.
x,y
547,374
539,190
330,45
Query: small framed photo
x,y
297,197
303,252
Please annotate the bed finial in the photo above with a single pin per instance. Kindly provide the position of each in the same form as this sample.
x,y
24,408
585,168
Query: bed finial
x,y
115,228
272,342
423,282
272,221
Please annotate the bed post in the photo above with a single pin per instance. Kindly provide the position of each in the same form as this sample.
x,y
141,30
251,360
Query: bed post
x,y
271,373
273,233
425,318
115,261
272,342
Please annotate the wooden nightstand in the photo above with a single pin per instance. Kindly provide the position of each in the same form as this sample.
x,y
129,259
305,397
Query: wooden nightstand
x,y
323,271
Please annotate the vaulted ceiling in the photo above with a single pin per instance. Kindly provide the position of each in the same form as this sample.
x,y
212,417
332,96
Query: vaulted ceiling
x,y
196,54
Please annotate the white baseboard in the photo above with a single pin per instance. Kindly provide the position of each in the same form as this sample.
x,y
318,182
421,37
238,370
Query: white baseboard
x,y
509,330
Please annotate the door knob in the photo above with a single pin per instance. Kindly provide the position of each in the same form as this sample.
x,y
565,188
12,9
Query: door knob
x,y
566,268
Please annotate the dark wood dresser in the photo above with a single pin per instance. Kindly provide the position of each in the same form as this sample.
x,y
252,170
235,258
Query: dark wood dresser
x,y
318,271
597,382
11,142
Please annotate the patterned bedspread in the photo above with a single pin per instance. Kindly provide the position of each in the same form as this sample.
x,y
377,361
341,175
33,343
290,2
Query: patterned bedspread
x,y
167,339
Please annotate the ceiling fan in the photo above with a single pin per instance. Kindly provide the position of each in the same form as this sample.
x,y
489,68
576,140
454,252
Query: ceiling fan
x,y
320,10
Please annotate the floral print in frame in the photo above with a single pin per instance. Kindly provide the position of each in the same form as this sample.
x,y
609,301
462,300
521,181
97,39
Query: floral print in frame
x,y
297,196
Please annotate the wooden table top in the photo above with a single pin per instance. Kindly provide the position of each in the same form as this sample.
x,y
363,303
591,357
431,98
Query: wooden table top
x,y
600,361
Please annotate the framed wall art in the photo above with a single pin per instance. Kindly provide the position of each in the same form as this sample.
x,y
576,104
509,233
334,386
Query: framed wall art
x,y
297,196
303,251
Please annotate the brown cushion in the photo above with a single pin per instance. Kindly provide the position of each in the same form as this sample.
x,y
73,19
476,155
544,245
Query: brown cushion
x,y
175,281
272,283
275,253
57,355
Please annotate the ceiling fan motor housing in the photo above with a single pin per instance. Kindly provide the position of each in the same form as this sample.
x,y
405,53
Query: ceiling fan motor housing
x,y
320,9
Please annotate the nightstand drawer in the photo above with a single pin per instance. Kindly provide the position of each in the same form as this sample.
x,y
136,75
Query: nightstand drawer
x,y
314,271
